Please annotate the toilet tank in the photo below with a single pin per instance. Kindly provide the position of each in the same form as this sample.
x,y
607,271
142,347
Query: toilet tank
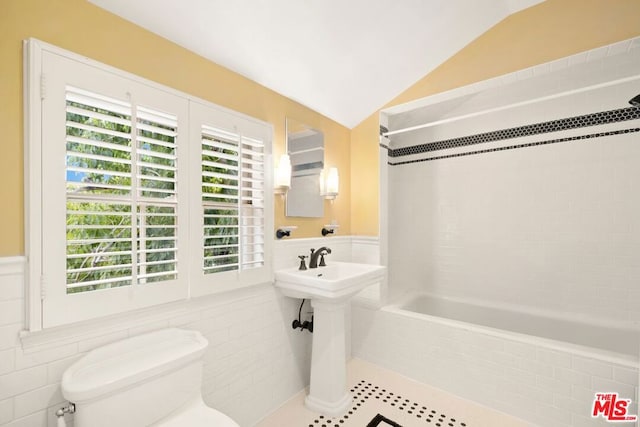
x,y
137,381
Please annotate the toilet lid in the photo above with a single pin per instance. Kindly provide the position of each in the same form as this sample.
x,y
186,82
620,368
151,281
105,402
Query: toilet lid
x,y
197,415
135,360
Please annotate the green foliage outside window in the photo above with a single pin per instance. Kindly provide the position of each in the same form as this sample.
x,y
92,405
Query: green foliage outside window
x,y
100,221
220,200
105,226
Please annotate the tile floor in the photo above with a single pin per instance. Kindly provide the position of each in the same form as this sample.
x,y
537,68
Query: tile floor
x,y
398,400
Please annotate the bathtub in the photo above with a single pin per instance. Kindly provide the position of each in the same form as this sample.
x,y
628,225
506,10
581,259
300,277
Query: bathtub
x,y
609,342
541,368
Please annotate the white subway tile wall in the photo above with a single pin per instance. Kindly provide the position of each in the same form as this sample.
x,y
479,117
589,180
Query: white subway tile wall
x,y
543,386
544,221
255,361
548,227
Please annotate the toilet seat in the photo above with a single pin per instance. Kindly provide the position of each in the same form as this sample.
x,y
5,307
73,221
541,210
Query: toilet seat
x,y
197,414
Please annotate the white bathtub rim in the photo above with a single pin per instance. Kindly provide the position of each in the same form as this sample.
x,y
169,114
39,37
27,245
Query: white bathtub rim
x,y
628,361
625,325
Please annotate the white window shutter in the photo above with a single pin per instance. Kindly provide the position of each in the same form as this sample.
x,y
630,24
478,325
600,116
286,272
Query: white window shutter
x,y
138,195
100,212
219,188
252,202
231,210
110,173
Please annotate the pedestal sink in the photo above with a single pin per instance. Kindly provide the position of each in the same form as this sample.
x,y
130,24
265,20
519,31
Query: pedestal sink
x,y
329,289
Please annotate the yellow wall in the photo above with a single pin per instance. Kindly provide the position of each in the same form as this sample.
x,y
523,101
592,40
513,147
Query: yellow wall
x,y
81,27
548,31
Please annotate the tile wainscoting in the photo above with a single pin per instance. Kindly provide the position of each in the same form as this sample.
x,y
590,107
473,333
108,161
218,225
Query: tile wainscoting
x,y
253,356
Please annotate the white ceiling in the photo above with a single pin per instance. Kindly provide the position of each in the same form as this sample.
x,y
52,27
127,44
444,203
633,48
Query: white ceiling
x,y
342,58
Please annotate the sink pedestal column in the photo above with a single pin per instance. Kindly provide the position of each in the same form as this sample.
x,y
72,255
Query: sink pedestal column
x,y
328,392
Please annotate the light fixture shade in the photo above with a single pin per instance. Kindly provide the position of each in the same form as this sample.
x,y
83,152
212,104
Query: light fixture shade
x,y
329,183
282,179
333,182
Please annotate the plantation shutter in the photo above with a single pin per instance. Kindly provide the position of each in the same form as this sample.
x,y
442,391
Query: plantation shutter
x,y
252,203
220,200
138,195
233,219
156,197
111,194
119,231
232,201
100,215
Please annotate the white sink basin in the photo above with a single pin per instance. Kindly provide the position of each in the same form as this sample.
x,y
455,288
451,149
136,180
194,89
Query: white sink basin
x,y
338,280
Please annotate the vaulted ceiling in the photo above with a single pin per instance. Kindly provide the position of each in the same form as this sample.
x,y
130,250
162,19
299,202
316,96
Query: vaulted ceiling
x,y
342,58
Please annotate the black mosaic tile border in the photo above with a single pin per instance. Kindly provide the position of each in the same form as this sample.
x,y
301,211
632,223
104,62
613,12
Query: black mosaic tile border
x,y
513,147
600,118
379,418
365,391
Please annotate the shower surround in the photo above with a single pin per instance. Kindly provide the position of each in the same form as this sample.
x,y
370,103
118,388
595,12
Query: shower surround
x,y
523,194
517,194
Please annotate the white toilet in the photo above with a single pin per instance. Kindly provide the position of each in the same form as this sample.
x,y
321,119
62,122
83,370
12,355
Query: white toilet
x,y
148,380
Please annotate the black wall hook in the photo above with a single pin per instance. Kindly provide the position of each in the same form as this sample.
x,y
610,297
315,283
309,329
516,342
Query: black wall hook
x,y
280,233
326,231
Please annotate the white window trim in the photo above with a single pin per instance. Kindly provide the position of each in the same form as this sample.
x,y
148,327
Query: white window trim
x,y
34,90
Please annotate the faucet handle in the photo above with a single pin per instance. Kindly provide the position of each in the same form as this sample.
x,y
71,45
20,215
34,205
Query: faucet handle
x,y
303,266
322,263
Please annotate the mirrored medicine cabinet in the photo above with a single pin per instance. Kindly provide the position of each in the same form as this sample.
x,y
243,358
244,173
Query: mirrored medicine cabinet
x,y
305,146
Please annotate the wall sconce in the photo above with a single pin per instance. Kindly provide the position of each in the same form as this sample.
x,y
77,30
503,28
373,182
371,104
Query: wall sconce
x,y
282,181
329,183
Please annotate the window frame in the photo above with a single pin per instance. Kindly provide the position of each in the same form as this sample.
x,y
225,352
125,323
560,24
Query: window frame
x,y
35,90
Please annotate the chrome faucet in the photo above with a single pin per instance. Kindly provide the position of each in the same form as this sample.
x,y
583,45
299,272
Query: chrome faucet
x,y
313,258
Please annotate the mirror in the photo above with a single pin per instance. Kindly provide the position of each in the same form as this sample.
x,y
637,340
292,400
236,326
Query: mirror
x,y
305,147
